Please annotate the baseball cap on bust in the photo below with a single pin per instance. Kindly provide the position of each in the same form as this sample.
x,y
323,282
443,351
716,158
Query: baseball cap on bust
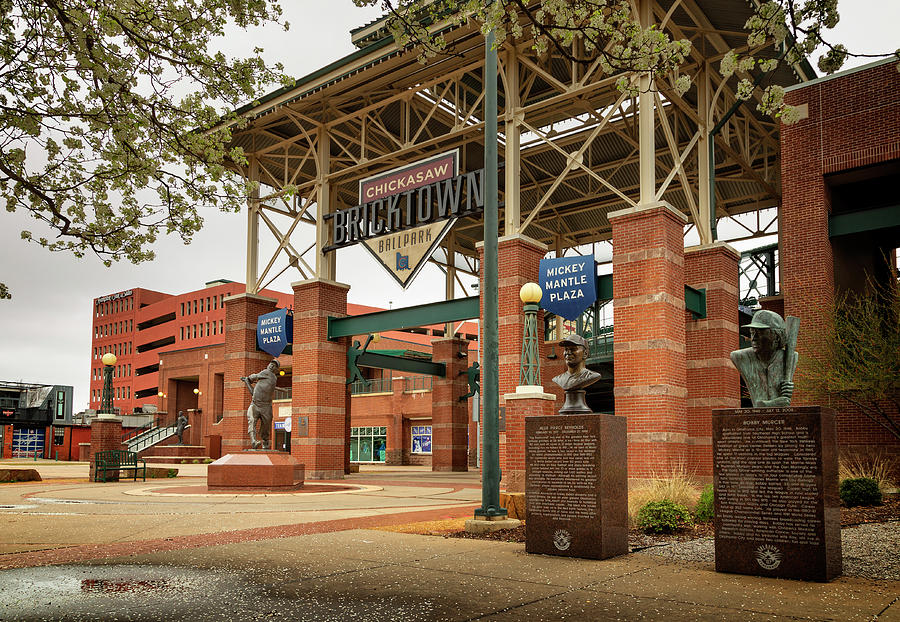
x,y
574,340
765,319
277,364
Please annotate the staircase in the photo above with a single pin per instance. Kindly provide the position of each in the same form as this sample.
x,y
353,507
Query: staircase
x,y
155,446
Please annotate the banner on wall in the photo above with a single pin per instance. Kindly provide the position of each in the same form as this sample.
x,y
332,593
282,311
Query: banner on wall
x,y
569,285
274,331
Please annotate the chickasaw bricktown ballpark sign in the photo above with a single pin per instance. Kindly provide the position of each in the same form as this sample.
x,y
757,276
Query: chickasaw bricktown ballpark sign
x,y
569,284
404,213
274,331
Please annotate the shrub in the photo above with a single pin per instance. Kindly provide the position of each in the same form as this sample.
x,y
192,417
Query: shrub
x,y
195,461
663,517
877,466
172,473
676,486
207,460
705,507
860,491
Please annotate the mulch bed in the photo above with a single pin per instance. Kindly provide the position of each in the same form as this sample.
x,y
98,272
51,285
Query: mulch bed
x,y
888,511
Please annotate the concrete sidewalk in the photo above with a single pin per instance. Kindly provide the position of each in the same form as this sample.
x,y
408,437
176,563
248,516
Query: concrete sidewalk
x,y
129,551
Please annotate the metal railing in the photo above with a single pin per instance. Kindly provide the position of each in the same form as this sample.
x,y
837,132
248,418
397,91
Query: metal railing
x,y
283,393
375,385
419,383
759,274
151,437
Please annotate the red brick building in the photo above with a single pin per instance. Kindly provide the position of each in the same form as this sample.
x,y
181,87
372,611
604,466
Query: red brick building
x,y
171,354
840,216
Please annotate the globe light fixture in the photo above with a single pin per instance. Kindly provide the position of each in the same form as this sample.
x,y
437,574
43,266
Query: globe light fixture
x,y
109,359
531,293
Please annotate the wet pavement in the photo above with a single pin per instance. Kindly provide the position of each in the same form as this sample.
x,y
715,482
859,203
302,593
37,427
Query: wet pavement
x,y
165,550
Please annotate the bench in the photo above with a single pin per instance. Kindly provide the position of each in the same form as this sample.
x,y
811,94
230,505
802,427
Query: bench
x,y
115,461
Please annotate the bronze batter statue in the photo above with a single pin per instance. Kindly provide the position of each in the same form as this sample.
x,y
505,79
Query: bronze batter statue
x,y
577,377
767,366
261,406
180,424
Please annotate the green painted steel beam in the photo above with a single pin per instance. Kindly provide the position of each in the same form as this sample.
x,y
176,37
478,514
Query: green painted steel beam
x,y
399,363
695,302
864,220
408,317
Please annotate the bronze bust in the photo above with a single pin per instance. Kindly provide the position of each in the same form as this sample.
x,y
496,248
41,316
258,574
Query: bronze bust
x,y
577,377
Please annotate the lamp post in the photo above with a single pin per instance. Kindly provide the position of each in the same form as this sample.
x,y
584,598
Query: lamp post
x,y
530,371
106,401
490,474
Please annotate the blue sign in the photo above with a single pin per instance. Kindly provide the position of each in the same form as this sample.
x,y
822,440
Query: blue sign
x,y
569,285
274,331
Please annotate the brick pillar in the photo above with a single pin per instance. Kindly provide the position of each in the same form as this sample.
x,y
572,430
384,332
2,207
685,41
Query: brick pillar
x,y
106,435
242,358
320,389
649,351
528,401
518,262
712,380
395,444
449,416
194,434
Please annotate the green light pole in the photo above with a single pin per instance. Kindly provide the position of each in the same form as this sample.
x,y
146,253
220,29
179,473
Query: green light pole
x,y
490,472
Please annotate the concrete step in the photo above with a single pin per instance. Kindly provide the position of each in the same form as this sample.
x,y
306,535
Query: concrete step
x,y
174,459
182,451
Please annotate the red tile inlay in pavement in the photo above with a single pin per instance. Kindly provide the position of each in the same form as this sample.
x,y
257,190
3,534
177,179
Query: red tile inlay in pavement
x,y
75,554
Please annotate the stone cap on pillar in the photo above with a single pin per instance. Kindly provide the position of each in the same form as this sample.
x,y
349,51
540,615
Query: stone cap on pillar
x,y
250,296
297,284
107,417
714,245
529,392
517,236
643,207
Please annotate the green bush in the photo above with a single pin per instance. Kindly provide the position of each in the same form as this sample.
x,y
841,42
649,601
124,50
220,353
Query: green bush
x,y
172,473
860,491
663,517
705,511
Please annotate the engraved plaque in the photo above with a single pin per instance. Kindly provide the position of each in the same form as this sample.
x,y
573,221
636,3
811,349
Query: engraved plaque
x,y
776,492
576,486
302,430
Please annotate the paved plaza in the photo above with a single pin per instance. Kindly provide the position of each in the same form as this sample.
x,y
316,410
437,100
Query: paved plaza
x,y
168,550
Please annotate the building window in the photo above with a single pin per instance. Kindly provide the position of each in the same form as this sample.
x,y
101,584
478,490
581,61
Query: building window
x,y
182,308
59,435
221,327
207,329
195,306
215,300
421,439
368,444
214,327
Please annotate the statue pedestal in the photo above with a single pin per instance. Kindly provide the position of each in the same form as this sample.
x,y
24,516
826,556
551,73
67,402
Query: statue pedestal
x,y
255,470
777,510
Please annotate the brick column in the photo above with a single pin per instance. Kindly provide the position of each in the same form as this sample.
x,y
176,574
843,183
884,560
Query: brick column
x,y
712,380
649,351
527,401
320,389
449,416
242,358
106,435
194,434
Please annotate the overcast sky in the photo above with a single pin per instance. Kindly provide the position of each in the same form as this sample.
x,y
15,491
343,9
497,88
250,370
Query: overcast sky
x,y
45,329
